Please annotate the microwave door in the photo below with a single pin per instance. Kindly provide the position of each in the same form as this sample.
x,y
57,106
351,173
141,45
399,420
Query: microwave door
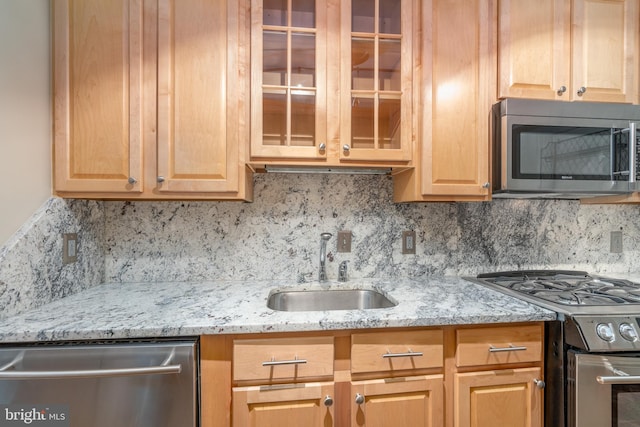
x,y
624,155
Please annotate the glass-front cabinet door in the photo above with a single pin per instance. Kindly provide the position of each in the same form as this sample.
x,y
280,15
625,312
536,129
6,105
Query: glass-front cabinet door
x,y
376,73
288,78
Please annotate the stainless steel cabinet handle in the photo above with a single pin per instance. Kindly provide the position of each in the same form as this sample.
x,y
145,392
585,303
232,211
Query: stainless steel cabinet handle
x,y
407,354
295,361
582,90
322,146
630,379
160,179
539,383
346,148
486,185
562,90
90,373
328,401
511,347
132,180
359,399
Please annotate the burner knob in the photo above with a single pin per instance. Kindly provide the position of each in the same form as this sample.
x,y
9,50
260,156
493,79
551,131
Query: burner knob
x,y
628,332
605,331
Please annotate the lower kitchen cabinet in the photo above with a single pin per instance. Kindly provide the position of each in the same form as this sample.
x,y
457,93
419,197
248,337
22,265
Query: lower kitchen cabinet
x,y
506,397
407,401
309,404
451,376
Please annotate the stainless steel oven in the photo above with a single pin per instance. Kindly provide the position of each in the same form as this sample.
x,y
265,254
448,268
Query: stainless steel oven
x,y
592,353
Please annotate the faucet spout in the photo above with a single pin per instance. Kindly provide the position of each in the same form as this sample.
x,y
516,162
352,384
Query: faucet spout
x,y
322,275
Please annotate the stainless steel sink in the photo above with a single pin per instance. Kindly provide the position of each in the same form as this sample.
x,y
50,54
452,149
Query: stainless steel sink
x,y
331,299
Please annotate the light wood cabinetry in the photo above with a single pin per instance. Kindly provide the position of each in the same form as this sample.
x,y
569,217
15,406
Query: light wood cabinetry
x,y
331,83
558,49
148,100
503,386
457,77
484,375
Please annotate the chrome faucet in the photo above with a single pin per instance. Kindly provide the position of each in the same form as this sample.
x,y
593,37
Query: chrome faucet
x,y
322,275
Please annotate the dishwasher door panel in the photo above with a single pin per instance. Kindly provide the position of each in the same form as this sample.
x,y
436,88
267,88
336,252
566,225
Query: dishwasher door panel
x,y
132,384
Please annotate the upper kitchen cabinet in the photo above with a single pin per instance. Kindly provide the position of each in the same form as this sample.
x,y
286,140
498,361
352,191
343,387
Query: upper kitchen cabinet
x,y
150,100
558,49
457,88
331,82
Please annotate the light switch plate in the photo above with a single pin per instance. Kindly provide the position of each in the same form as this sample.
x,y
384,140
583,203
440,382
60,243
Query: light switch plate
x,y
69,248
408,242
344,241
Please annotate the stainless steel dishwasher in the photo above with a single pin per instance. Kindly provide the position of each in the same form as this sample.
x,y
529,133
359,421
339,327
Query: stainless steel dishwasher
x,y
132,384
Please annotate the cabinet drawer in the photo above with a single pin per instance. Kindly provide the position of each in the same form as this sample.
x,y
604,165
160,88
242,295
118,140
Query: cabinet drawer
x,y
282,359
395,351
492,346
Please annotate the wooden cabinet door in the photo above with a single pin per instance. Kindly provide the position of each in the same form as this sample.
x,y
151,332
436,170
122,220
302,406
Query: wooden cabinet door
x,y
411,401
199,90
289,79
459,89
376,80
534,49
98,95
498,398
605,50
296,405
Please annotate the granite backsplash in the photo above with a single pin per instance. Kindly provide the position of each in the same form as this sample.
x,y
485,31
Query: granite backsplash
x,y
278,237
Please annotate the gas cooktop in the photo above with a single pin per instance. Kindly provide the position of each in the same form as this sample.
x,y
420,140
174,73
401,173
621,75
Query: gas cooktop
x,y
568,292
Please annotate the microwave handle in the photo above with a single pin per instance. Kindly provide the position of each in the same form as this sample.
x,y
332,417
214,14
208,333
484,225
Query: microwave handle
x,y
633,142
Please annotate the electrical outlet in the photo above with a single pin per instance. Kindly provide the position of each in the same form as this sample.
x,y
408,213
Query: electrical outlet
x,y
616,242
408,242
344,241
69,248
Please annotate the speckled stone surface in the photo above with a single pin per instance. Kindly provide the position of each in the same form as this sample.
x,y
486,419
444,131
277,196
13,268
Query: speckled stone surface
x,y
278,235
31,270
164,309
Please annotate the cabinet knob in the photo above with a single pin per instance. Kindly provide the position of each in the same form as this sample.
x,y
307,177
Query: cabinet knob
x,y
486,185
359,399
160,179
562,90
582,90
132,180
322,146
328,401
346,148
539,383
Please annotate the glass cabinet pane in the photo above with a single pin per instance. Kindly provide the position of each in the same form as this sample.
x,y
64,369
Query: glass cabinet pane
x,y
303,118
274,64
274,126
362,64
389,21
363,14
303,13
390,65
389,123
303,60
274,12
362,120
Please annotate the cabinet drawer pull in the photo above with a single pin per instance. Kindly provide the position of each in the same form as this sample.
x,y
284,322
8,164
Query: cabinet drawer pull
x,y
407,354
511,347
274,362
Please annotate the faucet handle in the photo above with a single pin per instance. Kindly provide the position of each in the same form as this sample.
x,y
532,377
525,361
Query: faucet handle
x,y
342,271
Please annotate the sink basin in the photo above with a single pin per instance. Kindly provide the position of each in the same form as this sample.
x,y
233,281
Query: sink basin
x,y
331,299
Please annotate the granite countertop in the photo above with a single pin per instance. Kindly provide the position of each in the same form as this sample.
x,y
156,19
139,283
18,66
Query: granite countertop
x,y
172,309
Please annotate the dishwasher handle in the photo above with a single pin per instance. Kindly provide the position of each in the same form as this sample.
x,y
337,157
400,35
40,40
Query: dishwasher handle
x,y
162,369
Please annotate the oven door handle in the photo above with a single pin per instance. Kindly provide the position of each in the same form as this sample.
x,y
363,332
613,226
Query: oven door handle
x,y
618,379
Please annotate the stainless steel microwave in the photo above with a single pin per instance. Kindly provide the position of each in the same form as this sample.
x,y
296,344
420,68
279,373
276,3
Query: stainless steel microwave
x,y
570,150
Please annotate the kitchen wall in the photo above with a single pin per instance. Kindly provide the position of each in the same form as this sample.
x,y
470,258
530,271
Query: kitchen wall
x,y
278,236
25,111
